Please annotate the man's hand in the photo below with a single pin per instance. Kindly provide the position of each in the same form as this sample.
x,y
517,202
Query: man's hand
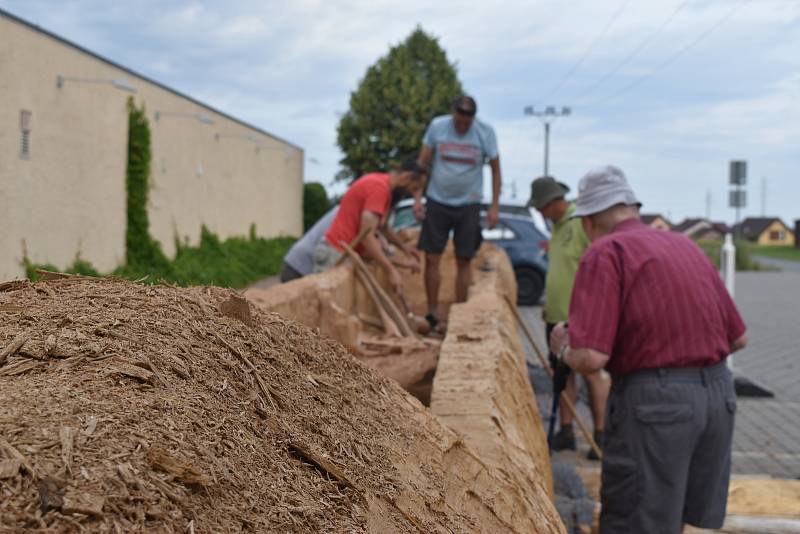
x,y
493,216
414,253
396,281
418,210
559,338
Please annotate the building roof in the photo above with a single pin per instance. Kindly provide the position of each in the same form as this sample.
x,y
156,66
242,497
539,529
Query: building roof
x,y
95,55
689,224
648,218
752,227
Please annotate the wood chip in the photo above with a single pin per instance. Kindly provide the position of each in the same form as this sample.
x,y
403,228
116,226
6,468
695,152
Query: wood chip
x,y
9,468
83,503
237,307
67,436
161,460
51,495
15,345
13,285
132,371
13,453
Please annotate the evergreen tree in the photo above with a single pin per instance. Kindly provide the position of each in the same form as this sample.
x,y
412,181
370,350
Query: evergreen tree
x,y
394,103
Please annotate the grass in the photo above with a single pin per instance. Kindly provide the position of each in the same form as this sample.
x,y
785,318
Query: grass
x,y
744,258
235,262
789,253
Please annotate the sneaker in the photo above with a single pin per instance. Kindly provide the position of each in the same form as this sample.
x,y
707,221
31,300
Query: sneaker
x,y
598,438
432,320
564,439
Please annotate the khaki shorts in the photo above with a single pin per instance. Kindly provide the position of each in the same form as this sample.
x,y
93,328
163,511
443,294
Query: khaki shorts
x,y
325,256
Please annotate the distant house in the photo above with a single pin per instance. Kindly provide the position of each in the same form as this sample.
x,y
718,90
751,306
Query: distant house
x,y
656,220
766,231
702,229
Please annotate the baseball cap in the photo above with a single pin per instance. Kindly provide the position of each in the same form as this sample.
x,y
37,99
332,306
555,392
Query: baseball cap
x,y
602,188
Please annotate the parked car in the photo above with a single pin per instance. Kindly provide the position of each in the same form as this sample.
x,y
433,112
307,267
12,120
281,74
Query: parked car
x,y
516,233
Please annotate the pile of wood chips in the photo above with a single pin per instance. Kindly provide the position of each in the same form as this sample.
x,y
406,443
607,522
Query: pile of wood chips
x,y
127,407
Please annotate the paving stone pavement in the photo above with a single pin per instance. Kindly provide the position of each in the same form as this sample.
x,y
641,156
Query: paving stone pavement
x,y
767,433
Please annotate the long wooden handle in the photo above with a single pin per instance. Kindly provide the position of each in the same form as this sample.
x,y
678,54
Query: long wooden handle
x,y
354,243
388,304
567,402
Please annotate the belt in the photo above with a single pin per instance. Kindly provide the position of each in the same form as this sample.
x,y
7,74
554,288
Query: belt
x,y
702,375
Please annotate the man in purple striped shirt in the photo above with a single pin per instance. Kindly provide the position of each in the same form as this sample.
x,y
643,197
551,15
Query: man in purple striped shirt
x,y
650,308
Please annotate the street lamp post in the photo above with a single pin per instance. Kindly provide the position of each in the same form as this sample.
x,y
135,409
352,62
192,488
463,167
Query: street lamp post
x,y
548,115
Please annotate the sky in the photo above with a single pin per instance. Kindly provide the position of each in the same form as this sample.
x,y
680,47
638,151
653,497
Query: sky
x,y
668,90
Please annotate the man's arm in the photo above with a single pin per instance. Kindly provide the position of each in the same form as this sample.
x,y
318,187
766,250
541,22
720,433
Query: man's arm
x,y
739,344
583,360
374,249
497,181
424,161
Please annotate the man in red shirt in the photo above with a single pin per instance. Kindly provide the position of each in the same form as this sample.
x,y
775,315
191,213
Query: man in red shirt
x,y
366,204
649,307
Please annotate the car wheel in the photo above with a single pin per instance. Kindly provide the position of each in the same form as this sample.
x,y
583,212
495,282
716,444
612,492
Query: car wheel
x,y
530,285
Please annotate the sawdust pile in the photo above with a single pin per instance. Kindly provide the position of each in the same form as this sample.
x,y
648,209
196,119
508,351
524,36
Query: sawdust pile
x,y
126,407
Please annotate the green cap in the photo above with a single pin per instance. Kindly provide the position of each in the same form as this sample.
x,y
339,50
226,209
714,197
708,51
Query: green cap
x,y
544,190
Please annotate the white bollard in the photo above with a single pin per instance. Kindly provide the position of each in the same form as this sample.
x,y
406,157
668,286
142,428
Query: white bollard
x,y
727,270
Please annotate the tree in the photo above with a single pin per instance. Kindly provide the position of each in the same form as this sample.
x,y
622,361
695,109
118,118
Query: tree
x,y
394,103
315,204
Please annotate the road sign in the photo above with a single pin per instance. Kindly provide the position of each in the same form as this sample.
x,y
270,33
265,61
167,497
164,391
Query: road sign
x,y
738,172
738,199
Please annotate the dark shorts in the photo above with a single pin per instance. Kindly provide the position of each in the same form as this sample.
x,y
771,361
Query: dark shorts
x,y
288,273
667,452
464,221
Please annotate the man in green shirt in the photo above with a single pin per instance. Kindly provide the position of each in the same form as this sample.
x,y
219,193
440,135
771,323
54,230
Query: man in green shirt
x,y
567,244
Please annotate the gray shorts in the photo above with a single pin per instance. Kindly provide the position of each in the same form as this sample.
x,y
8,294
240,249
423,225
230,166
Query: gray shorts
x,y
325,256
667,452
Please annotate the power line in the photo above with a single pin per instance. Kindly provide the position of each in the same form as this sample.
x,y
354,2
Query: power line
x,y
674,57
635,52
588,50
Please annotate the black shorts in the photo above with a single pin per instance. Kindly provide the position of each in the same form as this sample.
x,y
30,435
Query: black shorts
x,y
464,221
667,451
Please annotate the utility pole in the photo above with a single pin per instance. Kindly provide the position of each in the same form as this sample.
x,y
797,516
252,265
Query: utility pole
x,y
708,204
548,115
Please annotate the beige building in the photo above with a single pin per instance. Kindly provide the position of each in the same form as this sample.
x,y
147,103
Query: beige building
x,y
63,156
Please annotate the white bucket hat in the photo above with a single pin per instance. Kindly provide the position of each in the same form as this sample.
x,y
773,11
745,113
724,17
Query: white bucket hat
x,y
602,188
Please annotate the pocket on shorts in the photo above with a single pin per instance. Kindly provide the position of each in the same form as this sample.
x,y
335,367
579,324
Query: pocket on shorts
x,y
664,414
620,485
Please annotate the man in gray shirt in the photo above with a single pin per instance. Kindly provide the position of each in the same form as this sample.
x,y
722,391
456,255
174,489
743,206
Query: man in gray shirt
x,y
299,261
457,146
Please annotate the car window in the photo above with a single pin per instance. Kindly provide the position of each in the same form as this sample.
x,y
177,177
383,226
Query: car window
x,y
403,218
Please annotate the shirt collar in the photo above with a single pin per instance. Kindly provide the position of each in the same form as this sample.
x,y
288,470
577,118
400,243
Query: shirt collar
x,y
627,225
567,214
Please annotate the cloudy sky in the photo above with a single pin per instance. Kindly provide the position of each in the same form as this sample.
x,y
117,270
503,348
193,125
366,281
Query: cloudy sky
x,y
669,90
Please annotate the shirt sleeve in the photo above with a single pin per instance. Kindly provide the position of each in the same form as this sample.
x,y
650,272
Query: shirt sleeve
x,y
594,310
377,199
429,137
490,141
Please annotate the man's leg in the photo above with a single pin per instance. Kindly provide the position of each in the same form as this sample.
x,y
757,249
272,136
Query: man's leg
x,y
433,279
463,278
465,240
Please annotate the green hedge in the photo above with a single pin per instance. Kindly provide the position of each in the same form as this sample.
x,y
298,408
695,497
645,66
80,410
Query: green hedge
x,y
744,259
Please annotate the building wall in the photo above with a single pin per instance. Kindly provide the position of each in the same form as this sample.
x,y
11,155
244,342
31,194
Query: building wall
x,y
69,198
776,226
660,224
